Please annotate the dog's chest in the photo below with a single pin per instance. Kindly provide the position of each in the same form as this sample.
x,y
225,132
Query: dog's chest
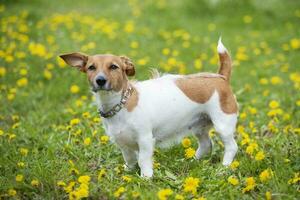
x,y
120,133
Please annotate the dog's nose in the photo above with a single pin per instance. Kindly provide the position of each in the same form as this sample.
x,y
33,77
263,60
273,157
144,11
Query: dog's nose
x,y
101,81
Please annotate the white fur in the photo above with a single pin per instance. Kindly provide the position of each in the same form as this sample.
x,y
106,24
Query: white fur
x,y
164,115
221,48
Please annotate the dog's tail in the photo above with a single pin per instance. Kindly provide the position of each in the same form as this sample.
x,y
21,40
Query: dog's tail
x,y
225,61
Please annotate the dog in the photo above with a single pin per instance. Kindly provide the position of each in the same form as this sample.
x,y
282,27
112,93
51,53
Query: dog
x,y
162,110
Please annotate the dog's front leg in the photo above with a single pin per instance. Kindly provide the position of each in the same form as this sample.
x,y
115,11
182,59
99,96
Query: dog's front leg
x,y
130,158
146,148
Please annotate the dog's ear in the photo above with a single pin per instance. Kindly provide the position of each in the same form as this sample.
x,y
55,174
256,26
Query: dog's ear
x,y
78,60
129,66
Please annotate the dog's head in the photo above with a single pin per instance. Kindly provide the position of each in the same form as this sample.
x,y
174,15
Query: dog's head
x,y
104,72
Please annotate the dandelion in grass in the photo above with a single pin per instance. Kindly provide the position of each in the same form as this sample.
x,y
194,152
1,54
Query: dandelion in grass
x,y
19,178
119,192
268,195
35,183
233,181
127,179
12,192
190,152
74,89
164,194
250,184
260,156
87,141
191,184
74,121
61,184
104,139
234,165
186,142
265,175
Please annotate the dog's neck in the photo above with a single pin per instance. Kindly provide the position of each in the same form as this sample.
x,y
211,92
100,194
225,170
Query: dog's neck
x,y
106,100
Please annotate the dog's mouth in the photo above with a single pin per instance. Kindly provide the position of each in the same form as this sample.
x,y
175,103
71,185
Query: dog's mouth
x,y
97,89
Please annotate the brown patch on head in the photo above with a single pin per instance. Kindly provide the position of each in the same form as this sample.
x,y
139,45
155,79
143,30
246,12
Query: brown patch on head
x,y
199,89
132,101
115,69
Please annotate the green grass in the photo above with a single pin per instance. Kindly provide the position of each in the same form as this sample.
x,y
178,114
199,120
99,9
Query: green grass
x,y
268,48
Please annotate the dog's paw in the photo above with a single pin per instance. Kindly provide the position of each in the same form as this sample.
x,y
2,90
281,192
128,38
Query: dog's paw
x,y
147,174
128,168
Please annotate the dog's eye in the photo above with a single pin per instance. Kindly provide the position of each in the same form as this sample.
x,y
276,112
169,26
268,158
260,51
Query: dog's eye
x,y
92,68
113,66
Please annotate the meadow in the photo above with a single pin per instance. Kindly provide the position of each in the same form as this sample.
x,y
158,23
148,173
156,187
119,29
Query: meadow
x,y
52,144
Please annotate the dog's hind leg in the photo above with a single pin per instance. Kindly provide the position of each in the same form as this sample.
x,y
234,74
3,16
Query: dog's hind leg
x,y
225,126
204,141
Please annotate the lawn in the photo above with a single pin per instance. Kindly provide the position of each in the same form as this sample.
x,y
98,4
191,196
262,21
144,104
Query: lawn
x,y
52,144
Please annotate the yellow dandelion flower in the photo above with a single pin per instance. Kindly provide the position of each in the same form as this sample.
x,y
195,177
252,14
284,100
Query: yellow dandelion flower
x,y
243,116
127,179
61,63
21,164
61,183
96,120
35,183
19,178
260,156
233,181
295,43
69,187
135,194
12,192
22,82
23,151
295,179
74,89
87,141
101,173
104,139
250,184
86,115
134,45
119,192
47,74
179,197
191,184
268,195
23,72
263,81
276,80
84,179
166,51
2,71
74,121
265,175
186,142
190,152
129,27
164,194
234,165
273,104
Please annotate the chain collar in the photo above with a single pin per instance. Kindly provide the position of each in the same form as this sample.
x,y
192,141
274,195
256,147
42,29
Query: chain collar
x,y
116,108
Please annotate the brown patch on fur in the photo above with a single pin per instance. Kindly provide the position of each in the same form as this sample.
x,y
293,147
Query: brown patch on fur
x,y
132,101
200,88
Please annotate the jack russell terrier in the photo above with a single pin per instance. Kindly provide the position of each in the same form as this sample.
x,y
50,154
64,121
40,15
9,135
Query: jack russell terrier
x,y
161,110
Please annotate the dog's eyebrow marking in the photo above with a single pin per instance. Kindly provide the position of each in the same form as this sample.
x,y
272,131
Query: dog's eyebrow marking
x,y
200,88
132,101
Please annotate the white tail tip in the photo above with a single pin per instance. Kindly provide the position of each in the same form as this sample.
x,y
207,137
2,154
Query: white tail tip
x,y
221,48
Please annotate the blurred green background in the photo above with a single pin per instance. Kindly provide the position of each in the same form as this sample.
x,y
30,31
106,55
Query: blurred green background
x,y
40,95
